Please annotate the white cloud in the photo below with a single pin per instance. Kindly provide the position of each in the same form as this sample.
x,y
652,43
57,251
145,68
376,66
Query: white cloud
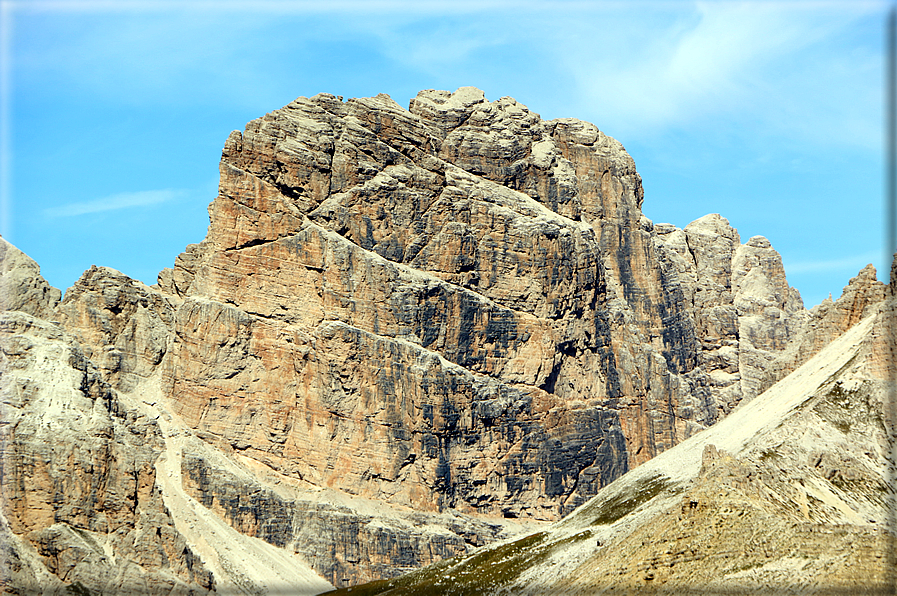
x,y
111,203
640,66
777,65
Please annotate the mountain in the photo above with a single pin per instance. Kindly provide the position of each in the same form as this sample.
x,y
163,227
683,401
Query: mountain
x,y
792,493
407,334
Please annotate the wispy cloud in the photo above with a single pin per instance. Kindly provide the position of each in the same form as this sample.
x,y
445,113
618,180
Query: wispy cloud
x,y
775,65
633,67
119,201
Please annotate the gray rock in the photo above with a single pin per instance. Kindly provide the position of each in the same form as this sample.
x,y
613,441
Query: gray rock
x,y
21,286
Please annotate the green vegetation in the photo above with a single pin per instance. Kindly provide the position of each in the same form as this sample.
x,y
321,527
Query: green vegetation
x,y
406,584
819,511
607,511
584,535
77,589
491,568
86,537
873,490
845,408
842,425
747,565
473,575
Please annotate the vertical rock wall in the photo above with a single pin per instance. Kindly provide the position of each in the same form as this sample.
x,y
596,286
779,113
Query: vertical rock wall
x,y
79,484
465,295
455,310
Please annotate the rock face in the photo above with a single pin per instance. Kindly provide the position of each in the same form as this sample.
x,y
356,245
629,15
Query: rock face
x,y
829,320
79,491
343,542
792,493
465,296
745,313
21,286
413,330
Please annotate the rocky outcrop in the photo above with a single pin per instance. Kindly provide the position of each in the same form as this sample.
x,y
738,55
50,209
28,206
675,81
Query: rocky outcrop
x,y
792,493
829,320
21,286
345,541
456,312
745,313
465,295
892,284
122,326
79,489
862,297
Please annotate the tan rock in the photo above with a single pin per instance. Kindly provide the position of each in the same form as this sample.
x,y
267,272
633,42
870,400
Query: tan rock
x,y
791,493
78,468
401,233
21,286
457,310
862,297
122,325
351,242
830,319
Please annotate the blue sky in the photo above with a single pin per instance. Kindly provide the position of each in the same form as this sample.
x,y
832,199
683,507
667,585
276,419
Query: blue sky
x,y
770,113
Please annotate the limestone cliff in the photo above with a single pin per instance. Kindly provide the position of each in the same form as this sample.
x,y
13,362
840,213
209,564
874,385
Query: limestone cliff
x,y
80,498
407,333
829,320
744,311
462,302
791,494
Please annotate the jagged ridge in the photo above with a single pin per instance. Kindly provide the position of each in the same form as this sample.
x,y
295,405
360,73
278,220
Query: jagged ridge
x,y
455,314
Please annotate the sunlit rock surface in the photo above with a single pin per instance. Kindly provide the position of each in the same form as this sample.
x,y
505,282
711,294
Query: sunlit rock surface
x,y
792,493
407,334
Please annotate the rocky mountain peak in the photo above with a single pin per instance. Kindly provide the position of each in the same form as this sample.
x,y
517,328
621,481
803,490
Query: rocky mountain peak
x,y
21,286
862,294
407,333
